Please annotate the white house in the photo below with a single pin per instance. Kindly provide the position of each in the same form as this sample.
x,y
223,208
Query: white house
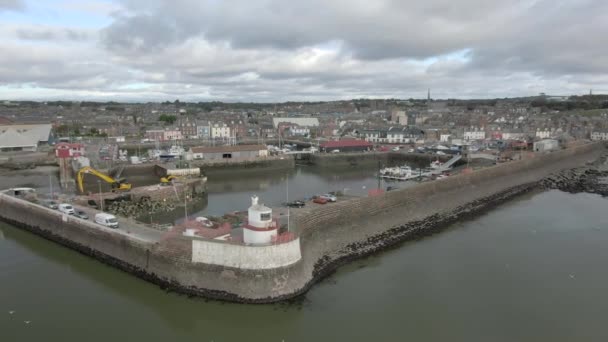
x,y
474,135
220,131
444,137
599,136
543,133
514,135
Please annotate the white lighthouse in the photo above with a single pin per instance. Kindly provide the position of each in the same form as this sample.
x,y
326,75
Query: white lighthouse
x,y
260,228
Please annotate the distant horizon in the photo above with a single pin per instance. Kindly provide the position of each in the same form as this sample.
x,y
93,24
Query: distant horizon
x,y
289,101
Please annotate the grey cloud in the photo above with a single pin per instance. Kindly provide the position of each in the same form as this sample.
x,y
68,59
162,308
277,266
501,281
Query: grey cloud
x,y
12,5
370,29
320,50
51,33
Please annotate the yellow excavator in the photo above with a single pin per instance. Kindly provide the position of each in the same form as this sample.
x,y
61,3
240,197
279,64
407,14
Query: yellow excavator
x,y
167,180
117,184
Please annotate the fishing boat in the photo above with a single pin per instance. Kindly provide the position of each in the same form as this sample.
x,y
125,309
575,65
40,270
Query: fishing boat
x,y
173,152
398,173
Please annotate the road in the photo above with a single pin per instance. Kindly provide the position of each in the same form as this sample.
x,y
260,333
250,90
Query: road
x,y
127,226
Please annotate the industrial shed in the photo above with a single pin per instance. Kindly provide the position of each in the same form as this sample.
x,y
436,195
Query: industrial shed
x,y
229,152
546,145
24,137
346,146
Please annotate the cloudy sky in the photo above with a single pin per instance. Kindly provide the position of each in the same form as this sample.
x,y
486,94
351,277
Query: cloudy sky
x,y
278,50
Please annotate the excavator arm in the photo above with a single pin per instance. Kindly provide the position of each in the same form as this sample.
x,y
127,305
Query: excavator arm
x,y
115,183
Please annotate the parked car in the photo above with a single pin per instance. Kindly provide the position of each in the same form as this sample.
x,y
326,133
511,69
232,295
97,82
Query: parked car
x,y
329,197
295,204
320,200
81,214
335,151
395,149
66,208
51,205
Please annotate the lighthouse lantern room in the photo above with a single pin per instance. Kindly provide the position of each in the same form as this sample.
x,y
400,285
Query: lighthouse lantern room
x,y
260,228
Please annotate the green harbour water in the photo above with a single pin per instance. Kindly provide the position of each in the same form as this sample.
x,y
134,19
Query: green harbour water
x,y
531,270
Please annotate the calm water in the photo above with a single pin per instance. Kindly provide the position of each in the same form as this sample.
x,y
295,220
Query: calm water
x,y
531,270
233,191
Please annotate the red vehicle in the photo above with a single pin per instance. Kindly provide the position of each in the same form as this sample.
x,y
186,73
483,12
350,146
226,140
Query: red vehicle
x,y
319,200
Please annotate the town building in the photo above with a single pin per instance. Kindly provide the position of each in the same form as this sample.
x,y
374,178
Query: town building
x,y
172,133
188,129
514,136
229,152
599,135
155,134
220,131
304,122
267,131
203,130
399,117
67,150
474,135
393,135
543,134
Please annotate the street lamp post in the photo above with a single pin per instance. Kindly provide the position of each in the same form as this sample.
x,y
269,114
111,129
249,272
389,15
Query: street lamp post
x,y
185,208
100,195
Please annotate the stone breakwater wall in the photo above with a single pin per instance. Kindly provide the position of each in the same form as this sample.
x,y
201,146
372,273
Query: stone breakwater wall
x,y
373,159
221,167
329,236
168,263
427,198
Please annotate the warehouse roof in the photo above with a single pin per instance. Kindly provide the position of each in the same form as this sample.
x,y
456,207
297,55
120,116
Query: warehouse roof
x,y
24,135
345,143
307,122
222,149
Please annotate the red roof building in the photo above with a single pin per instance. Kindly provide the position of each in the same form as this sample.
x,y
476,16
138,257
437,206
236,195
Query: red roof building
x,y
65,150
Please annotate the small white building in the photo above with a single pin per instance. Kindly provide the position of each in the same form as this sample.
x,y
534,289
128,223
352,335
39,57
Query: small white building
x,y
444,137
546,145
260,229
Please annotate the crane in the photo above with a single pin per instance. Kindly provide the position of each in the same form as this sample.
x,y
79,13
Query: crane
x,y
117,184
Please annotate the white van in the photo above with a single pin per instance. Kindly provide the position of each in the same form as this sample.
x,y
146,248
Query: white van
x,y
66,208
107,220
